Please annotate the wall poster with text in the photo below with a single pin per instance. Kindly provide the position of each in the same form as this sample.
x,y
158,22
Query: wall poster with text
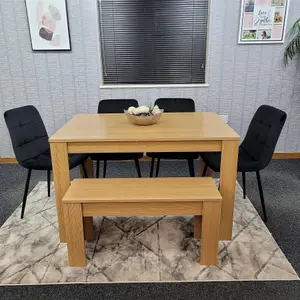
x,y
263,21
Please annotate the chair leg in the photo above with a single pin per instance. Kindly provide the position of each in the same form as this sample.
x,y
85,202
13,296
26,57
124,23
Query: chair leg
x,y
244,184
25,192
98,169
261,195
157,167
104,168
137,166
152,167
48,182
204,170
191,167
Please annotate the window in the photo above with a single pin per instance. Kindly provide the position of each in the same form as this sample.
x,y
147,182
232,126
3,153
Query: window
x,y
153,41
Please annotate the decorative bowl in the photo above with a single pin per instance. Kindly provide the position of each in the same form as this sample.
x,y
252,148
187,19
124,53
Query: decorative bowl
x,y
143,119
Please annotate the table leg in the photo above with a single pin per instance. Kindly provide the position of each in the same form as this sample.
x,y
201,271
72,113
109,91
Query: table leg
x,y
89,166
88,221
197,227
210,233
74,233
208,172
228,174
88,226
61,176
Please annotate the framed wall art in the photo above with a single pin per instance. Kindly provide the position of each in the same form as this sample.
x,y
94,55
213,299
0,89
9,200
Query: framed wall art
x,y
48,25
263,21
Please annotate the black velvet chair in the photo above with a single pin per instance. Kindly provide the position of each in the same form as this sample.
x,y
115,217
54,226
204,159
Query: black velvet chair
x,y
174,105
109,107
256,150
30,143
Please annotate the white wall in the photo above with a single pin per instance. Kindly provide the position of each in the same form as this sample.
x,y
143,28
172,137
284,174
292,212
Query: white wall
x,y
61,84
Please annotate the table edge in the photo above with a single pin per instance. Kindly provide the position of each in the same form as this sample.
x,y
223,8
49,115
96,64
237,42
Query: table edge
x,y
70,140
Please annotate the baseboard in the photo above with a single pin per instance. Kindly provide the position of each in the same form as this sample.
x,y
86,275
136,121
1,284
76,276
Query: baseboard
x,y
8,160
278,155
285,155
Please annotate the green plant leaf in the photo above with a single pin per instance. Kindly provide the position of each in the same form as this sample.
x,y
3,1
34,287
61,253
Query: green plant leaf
x,y
293,48
295,30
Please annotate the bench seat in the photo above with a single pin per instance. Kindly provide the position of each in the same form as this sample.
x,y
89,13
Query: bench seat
x,y
143,197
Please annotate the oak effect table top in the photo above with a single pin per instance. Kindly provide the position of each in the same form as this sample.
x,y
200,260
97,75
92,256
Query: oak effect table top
x,y
198,126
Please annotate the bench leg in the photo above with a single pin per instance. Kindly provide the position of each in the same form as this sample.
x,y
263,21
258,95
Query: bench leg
x,y
74,232
210,233
88,221
197,227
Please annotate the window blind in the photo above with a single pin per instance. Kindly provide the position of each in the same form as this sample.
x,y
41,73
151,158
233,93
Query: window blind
x,y
153,41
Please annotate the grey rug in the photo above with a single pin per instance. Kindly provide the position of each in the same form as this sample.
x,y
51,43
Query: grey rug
x,y
131,249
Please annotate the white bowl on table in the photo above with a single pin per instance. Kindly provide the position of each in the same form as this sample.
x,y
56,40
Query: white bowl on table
x,y
143,119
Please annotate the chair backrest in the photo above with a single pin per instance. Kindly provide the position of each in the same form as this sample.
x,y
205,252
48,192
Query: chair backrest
x,y
263,134
112,106
27,132
176,104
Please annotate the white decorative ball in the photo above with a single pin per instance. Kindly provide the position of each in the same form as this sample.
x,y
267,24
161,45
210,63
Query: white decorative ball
x,y
137,111
156,110
131,110
144,109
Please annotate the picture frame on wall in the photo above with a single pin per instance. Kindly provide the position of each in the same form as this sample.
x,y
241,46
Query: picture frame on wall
x,y
48,25
263,21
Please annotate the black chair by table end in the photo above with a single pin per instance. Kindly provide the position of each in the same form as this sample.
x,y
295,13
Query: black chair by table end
x,y
257,148
108,107
174,105
30,144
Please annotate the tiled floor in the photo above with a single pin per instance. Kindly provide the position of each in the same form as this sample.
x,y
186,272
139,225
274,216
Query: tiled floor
x,y
135,249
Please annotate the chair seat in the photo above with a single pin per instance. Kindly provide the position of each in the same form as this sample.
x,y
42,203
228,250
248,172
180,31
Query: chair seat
x,y
43,161
245,163
116,156
173,155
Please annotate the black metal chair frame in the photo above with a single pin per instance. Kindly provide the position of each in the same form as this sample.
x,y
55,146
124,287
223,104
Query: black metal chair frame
x,y
260,189
136,161
272,141
41,134
181,109
120,107
189,160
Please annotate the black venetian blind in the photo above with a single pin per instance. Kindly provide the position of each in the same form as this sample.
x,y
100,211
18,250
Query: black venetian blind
x,y
153,41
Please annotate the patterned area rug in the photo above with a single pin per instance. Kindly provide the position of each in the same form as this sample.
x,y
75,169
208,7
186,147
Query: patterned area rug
x,y
135,249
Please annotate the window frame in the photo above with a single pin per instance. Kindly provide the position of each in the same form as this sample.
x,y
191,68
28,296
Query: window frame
x,y
134,86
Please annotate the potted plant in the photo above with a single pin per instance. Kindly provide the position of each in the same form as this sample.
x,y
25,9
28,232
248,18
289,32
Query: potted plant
x,y
293,48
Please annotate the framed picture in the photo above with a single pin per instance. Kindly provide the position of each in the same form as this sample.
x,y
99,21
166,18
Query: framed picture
x,y
263,21
48,25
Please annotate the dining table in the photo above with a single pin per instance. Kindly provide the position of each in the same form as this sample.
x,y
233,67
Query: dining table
x,y
174,132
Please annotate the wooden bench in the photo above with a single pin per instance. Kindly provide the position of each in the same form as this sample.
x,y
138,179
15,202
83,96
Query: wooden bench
x,y
143,197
